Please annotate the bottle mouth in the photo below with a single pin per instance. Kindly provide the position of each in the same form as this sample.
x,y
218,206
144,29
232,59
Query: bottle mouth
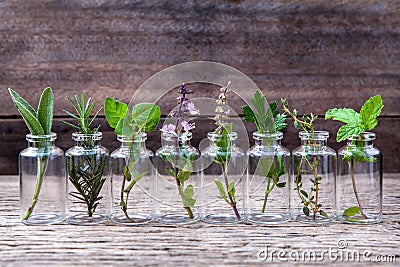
x,y
273,136
183,137
317,135
83,137
41,138
214,136
365,136
135,138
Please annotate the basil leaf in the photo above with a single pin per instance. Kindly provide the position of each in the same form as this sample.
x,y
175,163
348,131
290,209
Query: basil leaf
x,y
114,111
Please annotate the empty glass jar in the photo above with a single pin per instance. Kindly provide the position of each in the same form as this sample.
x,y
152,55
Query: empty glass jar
x,y
360,181
223,180
42,181
314,179
88,190
133,179
268,176
178,180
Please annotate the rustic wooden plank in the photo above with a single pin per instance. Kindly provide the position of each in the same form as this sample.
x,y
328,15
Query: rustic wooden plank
x,y
200,244
13,131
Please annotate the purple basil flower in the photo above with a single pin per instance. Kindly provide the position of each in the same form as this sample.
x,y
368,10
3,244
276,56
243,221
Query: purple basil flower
x,y
169,128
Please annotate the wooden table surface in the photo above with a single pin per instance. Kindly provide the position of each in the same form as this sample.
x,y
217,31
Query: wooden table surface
x,y
197,244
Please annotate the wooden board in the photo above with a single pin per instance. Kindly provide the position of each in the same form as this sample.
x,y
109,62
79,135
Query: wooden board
x,y
197,244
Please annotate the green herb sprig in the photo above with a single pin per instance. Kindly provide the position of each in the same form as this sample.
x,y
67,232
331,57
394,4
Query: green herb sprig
x,y
87,174
143,118
262,117
309,200
39,123
355,124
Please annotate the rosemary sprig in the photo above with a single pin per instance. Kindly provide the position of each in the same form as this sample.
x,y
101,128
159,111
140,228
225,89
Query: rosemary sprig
x,y
86,175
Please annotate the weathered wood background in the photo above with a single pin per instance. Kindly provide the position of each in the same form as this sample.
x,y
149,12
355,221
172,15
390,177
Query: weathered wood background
x,y
318,54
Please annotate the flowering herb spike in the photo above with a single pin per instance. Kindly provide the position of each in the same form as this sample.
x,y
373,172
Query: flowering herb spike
x,y
262,117
223,148
182,126
355,124
39,123
310,200
144,118
87,174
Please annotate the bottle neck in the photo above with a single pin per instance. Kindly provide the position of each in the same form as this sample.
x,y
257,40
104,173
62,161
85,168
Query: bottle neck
x,y
362,140
267,139
314,140
221,141
133,142
41,141
87,141
173,140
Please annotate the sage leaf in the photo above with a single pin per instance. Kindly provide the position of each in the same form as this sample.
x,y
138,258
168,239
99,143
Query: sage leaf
x,y
45,110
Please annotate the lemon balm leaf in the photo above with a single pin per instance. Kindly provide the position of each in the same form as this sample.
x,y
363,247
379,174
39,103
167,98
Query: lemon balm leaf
x,y
370,111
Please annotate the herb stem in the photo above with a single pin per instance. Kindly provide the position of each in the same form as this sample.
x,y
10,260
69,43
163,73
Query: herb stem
x,y
233,203
42,166
267,192
353,180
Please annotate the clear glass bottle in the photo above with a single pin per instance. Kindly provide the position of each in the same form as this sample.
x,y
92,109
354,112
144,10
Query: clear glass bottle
x,y
359,182
223,181
88,190
268,176
177,198
42,181
132,181
314,179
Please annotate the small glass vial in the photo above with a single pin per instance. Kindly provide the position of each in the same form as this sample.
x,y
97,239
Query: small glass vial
x,y
314,179
88,190
268,176
42,181
359,181
223,181
132,181
177,180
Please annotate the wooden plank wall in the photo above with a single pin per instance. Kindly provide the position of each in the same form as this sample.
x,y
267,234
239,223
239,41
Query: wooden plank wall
x,y
318,54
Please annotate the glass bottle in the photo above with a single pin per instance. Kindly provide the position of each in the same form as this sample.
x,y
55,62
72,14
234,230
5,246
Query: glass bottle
x,y
223,181
132,181
88,190
268,176
360,181
177,180
42,181
314,179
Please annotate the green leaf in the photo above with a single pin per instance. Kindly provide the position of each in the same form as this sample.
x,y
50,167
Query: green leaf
x,y
370,111
349,212
221,190
170,172
145,116
264,166
323,213
45,110
347,131
248,114
281,185
304,193
188,200
280,122
306,211
114,111
122,204
345,115
28,113
135,180
232,191
183,176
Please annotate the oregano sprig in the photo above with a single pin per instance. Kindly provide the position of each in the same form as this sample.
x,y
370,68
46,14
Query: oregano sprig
x,y
39,123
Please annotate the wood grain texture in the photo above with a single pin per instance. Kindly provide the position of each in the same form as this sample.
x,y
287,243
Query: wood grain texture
x,y
14,132
318,54
199,244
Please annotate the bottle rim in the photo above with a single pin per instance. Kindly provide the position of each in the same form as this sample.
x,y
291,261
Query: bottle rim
x,y
318,135
137,138
275,136
82,137
181,137
364,136
39,138
213,136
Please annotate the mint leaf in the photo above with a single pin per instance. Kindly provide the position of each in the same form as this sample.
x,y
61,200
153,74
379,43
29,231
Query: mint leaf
x,y
349,212
188,200
45,110
347,131
114,111
370,111
345,115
